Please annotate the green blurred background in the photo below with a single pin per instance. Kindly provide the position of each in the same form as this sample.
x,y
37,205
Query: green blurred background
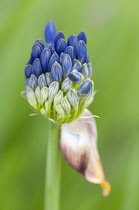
x,y
112,28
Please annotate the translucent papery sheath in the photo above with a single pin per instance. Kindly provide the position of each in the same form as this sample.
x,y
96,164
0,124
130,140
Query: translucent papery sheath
x,y
78,143
58,73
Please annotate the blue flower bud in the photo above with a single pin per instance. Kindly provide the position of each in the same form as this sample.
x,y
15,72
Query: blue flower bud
x,y
70,51
73,98
75,76
58,36
85,71
85,87
33,82
50,48
90,69
50,32
66,64
82,36
52,91
61,45
45,57
41,42
66,85
56,72
66,105
36,52
37,69
86,58
48,78
31,97
81,51
42,81
28,71
53,59
77,65
73,41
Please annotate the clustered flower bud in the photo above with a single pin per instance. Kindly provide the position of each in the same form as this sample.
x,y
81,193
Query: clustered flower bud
x,y
58,73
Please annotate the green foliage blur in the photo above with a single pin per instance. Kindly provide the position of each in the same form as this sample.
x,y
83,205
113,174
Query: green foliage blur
x,y
112,28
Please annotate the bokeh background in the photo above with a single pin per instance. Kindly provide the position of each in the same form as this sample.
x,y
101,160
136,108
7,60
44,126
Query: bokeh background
x,y
112,28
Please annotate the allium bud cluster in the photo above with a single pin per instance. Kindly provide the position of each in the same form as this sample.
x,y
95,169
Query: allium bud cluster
x,y
58,73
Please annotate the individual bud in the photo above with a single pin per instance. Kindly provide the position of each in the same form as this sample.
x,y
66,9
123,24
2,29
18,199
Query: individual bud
x,y
61,45
59,35
66,85
86,59
31,97
60,111
90,69
37,69
50,47
73,41
62,55
85,87
66,64
70,51
75,76
77,65
52,91
56,72
33,82
78,143
28,71
48,78
38,93
42,81
85,71
53,59
50,32
45,57
36,51
66,105
81,51
40,42
82,36
44,94
73,98
58,97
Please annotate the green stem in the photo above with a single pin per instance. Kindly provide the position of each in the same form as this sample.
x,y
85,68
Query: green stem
x,y
53,166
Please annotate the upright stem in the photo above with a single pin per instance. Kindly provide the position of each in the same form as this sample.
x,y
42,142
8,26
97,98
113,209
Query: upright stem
x,y
53,169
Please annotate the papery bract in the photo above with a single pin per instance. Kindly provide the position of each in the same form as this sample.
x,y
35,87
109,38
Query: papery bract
x,y
78,143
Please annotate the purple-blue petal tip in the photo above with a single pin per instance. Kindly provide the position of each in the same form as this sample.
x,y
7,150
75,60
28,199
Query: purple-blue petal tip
x,y
50,32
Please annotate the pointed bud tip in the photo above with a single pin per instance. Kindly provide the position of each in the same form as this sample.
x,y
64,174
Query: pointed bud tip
x,y
50,32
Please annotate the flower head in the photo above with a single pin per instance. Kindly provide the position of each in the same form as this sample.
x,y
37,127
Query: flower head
x,y
58,73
